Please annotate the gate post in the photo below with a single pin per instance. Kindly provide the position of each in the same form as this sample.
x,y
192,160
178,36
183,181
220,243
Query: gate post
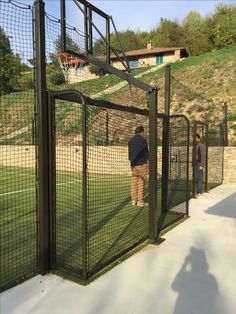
x,y
85,203
206,165
165,164
153,165
194,159
226,141
166,144
167,89
42,139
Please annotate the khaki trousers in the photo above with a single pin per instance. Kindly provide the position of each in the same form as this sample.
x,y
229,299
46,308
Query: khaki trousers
x,y
139,176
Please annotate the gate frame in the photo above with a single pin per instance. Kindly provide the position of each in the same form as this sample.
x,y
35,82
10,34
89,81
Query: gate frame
x,y
42,107
66,95
154,230
195,126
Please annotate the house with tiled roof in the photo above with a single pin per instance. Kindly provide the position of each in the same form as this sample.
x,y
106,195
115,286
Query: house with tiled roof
x,y
149,56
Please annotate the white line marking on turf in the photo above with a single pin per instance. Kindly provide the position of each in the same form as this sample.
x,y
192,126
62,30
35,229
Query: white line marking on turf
x,y
25,190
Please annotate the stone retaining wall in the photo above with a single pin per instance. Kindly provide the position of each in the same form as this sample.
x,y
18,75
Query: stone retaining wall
x,y
100,159
230,165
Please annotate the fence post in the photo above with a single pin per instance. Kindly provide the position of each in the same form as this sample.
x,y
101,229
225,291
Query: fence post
x,y
165,144
153,165
108,49
63,25
206,165
86,34
187,181
165,164
43,145
90,30
226,141
107,129
85,210
194,159
167,89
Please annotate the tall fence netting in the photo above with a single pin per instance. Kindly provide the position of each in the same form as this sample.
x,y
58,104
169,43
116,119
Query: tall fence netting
x,y
18,208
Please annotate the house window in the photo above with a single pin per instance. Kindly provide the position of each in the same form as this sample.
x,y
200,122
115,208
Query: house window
x,y
159,59
133,64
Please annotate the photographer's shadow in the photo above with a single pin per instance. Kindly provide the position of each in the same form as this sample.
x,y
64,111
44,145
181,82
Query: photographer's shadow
x,y
197,289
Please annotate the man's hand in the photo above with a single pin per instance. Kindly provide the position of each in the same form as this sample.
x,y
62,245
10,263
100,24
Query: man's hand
x,y
201,167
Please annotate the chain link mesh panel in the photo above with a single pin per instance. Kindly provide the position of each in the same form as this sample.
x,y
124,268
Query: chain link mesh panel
x,y
95,221
176,184
68,215
201,129
18,209
114,224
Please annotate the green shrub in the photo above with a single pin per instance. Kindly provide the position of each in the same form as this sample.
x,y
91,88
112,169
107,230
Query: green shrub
x,y
96,70
26,81
232,117
57,78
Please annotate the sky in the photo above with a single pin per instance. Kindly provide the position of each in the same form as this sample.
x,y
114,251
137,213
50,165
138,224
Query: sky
x,y
137,14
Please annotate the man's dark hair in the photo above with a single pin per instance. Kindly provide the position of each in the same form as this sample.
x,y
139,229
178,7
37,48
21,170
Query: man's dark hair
x,y
198,136
139,129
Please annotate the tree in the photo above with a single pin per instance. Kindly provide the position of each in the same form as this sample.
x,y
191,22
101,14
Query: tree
x,y
54,71
195,34
167,34
70,44
10,66
223,30
129,39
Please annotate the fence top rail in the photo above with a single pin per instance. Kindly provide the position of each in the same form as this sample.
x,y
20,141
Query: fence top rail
x,y
200,123
78,97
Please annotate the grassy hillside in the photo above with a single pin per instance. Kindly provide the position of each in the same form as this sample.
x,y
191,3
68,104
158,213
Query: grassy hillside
x,y
199,87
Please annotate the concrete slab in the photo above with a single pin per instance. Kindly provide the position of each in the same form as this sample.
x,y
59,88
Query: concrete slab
x,y
192,272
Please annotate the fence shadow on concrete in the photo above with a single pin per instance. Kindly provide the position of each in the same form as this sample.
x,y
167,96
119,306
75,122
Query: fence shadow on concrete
x,y
225,208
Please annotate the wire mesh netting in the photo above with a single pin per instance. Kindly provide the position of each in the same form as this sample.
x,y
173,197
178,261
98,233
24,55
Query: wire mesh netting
x,y
68,176
95,220
18,209
114,224
201,130
177,185
215,155
210,115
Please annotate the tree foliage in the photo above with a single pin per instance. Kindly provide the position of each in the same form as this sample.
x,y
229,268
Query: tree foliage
x,y
167,34
199,34
10,66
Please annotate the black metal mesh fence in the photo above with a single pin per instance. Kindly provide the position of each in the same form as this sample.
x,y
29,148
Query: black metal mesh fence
x,y
18,209
68,210
202,130
198,107
93,220
114,224
175,161
215,155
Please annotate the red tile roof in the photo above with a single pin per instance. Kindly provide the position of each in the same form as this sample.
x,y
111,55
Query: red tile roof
x,y
145,51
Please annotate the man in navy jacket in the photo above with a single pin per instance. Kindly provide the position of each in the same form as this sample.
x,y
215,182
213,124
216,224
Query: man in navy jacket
x,y
138,157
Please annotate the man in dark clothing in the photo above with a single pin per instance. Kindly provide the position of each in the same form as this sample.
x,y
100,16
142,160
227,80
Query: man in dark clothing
x,y
138,157
200,164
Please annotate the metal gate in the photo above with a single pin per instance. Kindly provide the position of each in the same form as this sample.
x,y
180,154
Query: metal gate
x,y
175,170
212,136
216,136
92,219
201,129
93,222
